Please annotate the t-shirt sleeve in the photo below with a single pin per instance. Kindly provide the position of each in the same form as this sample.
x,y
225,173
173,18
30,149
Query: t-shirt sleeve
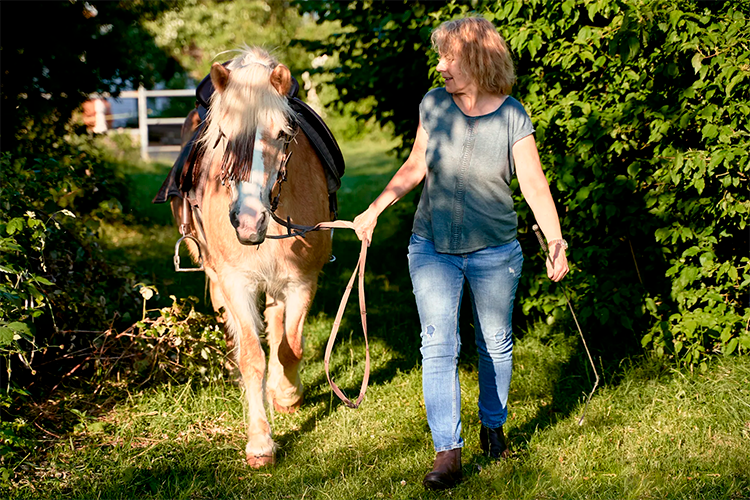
x,y
520,124
427,111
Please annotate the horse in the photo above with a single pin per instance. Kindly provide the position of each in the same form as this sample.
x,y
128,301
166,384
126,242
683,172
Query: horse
x,y
249,150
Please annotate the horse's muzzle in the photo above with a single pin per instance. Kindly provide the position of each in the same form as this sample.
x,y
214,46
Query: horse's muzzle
x,y
250,230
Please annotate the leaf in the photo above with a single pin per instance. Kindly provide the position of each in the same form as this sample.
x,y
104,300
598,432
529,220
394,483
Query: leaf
x,y
731,346
19,327
8,270
583,193
603,315
696,62
15,225
734,82
677,347
6,336
733,273
43,281
634,46
710,131
695,250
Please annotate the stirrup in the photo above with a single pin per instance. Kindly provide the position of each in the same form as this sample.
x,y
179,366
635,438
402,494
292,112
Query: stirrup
x,y
185,231
177,267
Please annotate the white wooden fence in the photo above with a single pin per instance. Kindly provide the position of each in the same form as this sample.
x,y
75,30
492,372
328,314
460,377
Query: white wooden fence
x,y
144,121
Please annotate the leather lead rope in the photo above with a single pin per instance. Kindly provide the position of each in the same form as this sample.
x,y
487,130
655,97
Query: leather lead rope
x,y
359,271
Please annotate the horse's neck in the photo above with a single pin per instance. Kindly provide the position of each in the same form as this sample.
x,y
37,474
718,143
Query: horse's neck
x,y
306,189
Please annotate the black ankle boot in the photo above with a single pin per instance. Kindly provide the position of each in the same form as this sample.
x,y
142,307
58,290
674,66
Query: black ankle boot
x,y
446,471
493,442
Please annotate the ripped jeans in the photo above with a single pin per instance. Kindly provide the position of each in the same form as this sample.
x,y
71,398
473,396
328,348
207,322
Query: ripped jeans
x,y
438,279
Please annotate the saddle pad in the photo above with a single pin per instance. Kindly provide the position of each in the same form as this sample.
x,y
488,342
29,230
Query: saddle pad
x,y
323,141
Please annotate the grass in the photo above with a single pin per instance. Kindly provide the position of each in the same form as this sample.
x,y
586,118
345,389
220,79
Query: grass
x,y
651,431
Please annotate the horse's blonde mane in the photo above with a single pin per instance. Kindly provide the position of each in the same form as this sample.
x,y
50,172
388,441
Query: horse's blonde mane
x,y
248,101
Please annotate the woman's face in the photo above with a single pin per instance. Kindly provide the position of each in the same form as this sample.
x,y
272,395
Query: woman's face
x,y
456,80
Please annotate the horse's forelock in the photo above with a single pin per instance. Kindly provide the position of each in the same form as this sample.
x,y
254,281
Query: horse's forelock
x,y
249,101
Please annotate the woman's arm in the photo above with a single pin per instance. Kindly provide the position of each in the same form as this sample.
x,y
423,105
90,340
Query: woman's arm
x,y
405,179
535,189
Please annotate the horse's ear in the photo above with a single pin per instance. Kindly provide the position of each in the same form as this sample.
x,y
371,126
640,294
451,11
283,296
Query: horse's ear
x,y
219,77
281,79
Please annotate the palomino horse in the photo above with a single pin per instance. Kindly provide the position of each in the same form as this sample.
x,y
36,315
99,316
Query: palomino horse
x,y
248,138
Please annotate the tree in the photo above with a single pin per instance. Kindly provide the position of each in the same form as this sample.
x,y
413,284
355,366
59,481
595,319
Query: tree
x,y
54,54
198,32
383,51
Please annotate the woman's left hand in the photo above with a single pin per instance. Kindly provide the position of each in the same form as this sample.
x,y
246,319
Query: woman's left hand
x,y
558,268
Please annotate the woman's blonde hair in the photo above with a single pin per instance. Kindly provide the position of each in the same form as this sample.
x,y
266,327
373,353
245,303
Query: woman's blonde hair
x,y
482,52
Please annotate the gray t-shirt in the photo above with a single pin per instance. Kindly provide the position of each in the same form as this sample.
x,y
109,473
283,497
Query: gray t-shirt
x,y
466,203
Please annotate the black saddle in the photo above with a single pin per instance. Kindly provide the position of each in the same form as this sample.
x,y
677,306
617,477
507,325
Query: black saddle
x,y
179,180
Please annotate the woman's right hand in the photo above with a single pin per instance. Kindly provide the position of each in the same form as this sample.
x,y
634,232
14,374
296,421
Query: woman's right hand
x,y
364,224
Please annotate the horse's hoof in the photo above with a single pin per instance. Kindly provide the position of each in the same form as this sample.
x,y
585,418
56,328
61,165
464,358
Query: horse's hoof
x,y
258,461
288,409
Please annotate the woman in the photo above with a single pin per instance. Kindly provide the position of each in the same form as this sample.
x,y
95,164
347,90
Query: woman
x,y
472,137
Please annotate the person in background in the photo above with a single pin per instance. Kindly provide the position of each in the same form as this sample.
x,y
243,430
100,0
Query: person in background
x,y
97,115
471,139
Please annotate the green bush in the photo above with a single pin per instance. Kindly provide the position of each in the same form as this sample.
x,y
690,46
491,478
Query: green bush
x,y
55,287
174,343
641,110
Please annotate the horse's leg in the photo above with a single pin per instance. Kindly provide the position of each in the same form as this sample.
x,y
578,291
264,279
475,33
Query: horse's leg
x,y
219,304
243,320
274,314
286,343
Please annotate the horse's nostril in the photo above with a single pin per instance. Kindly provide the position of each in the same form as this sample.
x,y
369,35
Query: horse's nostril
x,y
262,219
234,219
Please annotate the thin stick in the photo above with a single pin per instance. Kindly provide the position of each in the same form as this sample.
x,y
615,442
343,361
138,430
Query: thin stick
x,y
632,252
565,293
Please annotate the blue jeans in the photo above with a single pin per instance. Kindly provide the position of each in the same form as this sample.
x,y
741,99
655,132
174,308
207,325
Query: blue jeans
x,y
438,281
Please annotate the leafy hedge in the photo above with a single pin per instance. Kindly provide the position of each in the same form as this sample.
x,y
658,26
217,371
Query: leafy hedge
x,y
641,113
641,116
54,279
57,291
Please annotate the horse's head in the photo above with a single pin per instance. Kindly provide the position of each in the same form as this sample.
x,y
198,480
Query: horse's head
x,y
247,133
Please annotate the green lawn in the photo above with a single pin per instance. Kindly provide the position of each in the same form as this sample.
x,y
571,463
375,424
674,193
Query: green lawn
x,y
651,431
